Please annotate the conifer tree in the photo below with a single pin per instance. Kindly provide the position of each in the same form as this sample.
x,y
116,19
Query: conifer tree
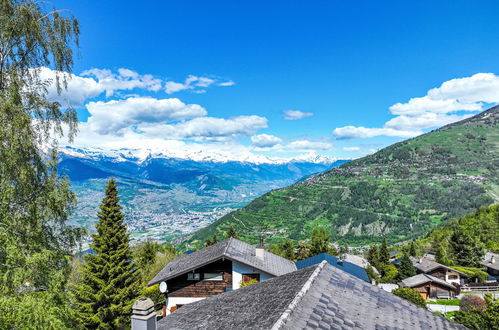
x,y
384,254
406,269
211,241
412,250
373,255
302,251
231,232
321,243
109,279
468,250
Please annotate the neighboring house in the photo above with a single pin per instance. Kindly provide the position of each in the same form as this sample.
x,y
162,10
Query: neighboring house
x,y
429,286
345,266
491,261
318,297
429,267
216,269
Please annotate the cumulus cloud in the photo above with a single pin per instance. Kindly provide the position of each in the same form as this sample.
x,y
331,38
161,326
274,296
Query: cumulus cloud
x,y
306,145
265,140
113,116
296,114
208,128
351,148
193,83
440,106
92,83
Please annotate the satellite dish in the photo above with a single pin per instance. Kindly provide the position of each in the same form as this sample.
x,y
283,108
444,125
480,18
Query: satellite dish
x,y
163,287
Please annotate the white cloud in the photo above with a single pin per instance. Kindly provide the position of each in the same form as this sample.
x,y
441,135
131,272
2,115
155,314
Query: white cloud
x,y
125,80
192,83
296,114
437,108
265,140
305,145
351,148
113,116
207,128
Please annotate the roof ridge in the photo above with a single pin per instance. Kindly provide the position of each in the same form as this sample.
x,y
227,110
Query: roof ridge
x,y
284,316
227,247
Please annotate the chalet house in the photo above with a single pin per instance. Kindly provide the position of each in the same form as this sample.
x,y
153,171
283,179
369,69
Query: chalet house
x,y
491,262
317,297
344,265
429,286
217,269
432,268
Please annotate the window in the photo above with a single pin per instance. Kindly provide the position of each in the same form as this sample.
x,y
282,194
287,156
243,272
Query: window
x,y
249,277
453,277
193,276
213,276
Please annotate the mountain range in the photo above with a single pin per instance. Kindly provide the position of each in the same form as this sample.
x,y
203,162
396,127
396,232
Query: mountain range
x,y
166,194
400,192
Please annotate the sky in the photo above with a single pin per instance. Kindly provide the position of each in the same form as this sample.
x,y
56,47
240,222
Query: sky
x,y
278,78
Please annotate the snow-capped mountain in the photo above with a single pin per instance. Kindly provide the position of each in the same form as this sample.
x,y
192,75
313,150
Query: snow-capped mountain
x,y
166,193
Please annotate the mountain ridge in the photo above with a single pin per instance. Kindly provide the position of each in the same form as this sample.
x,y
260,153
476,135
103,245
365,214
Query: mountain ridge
x,y
399,192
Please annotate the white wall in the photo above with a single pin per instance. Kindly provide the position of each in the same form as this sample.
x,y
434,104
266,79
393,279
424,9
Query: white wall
x,y
172,301
239,269
448,273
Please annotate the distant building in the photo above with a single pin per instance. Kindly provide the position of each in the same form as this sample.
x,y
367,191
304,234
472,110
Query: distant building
x,y
491,262
429,286
216,269
345,266
435,269
318,297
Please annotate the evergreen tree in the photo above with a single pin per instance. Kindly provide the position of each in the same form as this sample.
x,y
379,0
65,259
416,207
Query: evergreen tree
x,y
231,232
109,279
147,254
211,241
321,243
287,249
35,201
406,268
302,251
384,254
412,250
170,249
467,249
373,255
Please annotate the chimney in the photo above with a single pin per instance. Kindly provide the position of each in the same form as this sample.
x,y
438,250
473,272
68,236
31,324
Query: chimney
x,y
493,259
143,315
420,260
260,249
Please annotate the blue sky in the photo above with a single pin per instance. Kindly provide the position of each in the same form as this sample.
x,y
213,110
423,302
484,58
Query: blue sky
x,y
342,64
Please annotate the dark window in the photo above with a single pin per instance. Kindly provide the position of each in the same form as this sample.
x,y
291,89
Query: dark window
x,y
214,276
249,277
193,276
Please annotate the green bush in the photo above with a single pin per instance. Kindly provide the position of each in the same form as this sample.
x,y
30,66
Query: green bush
x,y
410,295
252,281
389,272
474,274
448,302
153,292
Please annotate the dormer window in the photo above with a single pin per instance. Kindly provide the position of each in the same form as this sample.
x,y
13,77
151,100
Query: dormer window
x,y
213,276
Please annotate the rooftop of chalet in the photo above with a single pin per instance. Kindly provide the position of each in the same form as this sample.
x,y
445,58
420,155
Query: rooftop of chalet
x,y
232,249
321,296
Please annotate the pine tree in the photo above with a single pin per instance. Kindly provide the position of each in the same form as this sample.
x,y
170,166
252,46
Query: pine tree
x,y
231,232
384,254
373,255
302,251
467,249
211,241
109,279
147,254
287,249
321,243
406,268
412,250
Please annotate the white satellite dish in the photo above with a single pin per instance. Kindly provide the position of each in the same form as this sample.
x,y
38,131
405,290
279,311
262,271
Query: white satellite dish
x,y
163,287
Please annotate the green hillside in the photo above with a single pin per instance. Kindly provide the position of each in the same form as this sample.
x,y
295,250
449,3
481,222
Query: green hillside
x,y
400,192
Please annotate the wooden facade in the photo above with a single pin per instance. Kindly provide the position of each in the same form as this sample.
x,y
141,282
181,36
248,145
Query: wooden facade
x,y
185,286
434,290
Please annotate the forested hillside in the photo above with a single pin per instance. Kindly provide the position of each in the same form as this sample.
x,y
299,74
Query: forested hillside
x,y
400,192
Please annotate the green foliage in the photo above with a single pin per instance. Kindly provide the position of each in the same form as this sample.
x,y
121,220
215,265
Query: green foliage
x,y
410,295
169,249
401,192
211,241
231,232
389,273
373,255
468,250
285,249
302,251
406,268
110,280
384,254
321,243
471,303
371,273
473,274
447,302
145,253
153,292
250,282
486,319
412,250
34,201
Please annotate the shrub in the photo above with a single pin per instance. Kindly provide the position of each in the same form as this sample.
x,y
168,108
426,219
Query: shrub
x,y
389,272
474,274
252,281
410,295
472,303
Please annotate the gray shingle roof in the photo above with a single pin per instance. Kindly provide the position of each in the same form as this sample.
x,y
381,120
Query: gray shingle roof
x,y
317,297
232,249
426,265
487,260
419,279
